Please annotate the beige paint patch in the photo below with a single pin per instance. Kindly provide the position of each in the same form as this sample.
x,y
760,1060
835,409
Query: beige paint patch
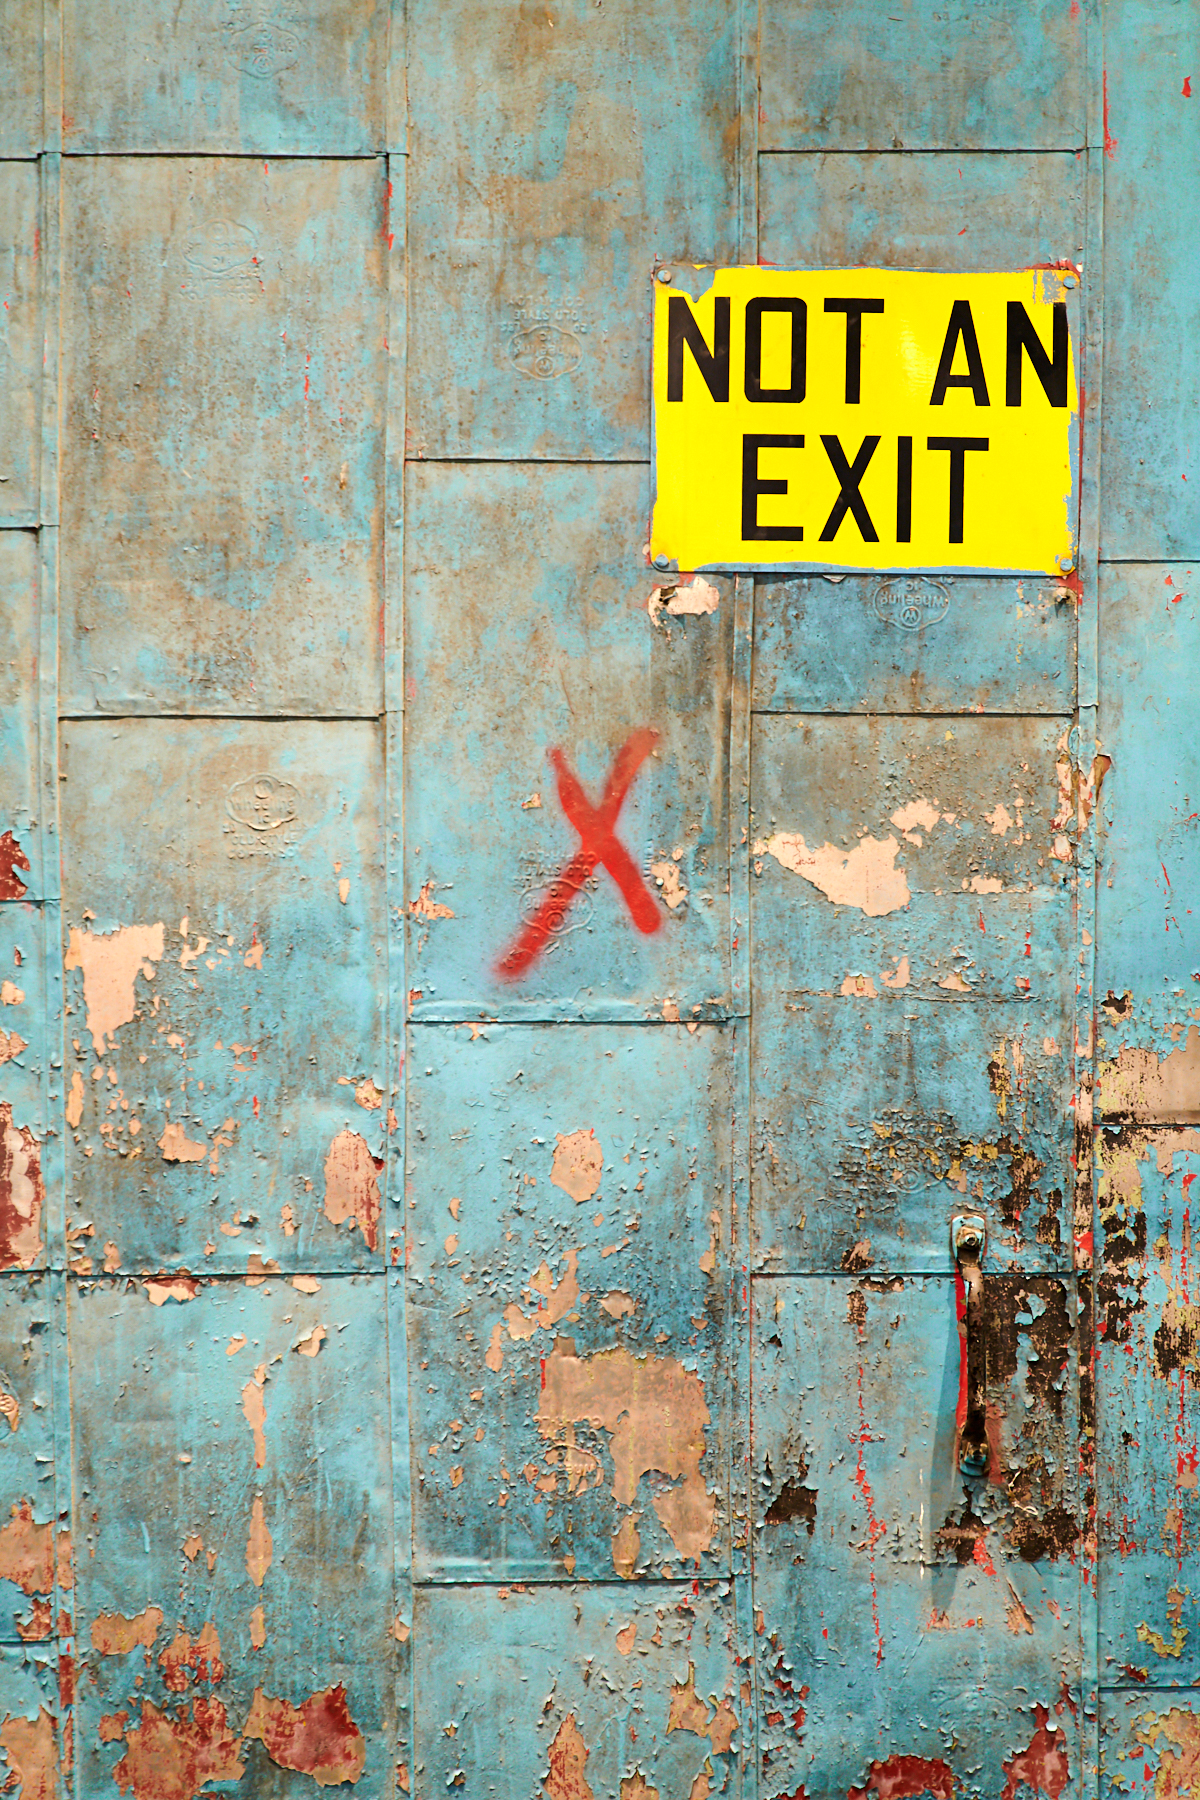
x,y
32,1758
557,1300
254,955
27,1551
568,1756
368,1095
986,884
494,1355
260,1545
899,977
111,964
11,994
859,987
627,1637
10,1407
310,1344
636,1787
177,1146
22,1194
866,877
916,817
618,1304
1141,1085
670,883
254,1406
626,1545
1000,820
578,1164
352,1185
258,1628
11,1046
306,1284
114,1635
426,907
655,1412
161,1288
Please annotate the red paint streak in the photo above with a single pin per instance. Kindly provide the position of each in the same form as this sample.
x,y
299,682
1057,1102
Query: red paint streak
x,y
982,926
597,844
12,857
1187,87
307,361
875,1527
903,1776
256,1106
1110,142
1075,9
1166,877
980,1556
1042,1765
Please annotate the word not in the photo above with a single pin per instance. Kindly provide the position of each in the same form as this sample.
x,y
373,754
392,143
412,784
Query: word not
x,y
598,843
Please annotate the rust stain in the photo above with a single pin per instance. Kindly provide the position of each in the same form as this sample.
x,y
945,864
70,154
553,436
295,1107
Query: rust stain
x,y
22,1194
578,1164
655,1413
29,1745
568,1755
111,963
12,858
173,1758
902,1777
317,1738
352,1185
115,1635
27,1551
183,1658
38,1626
1042,1765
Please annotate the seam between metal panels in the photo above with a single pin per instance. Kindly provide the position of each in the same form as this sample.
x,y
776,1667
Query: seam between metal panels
x,y
934,150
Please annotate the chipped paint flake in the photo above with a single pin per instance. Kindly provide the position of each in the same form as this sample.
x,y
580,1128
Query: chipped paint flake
x,y
32,1758
254,1406
310,1343
260,1545
22,1194
111,963
27,1551
865,877
426,907
568,1755
177,1146
670,883
114,1635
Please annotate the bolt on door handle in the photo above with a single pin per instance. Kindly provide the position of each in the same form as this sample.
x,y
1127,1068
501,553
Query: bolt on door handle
x,y
968,1240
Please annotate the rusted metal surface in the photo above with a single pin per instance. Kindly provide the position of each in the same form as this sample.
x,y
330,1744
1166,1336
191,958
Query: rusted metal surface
x,y
494,1039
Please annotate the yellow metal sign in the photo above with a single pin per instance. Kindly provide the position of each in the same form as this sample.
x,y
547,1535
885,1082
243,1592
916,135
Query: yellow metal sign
x,y
865,419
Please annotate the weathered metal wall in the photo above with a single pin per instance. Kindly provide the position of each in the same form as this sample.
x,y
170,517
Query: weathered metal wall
x,y
434,1373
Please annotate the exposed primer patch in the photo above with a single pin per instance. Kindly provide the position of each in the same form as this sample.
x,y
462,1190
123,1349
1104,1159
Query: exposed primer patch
x,y
172,1759
27,1551
865,877
111,963
11,1046
161,1288
177,1146
22,1194
557,1300
310,1343
1178,1775
1141,1085
426,907
918,816
12,858
655,1412
1042,1766
669,881
317,1738
578,1164
903,1776
258,1628
260,1545
74,1106
636,1787
114,1635
692,598
688,1712
10,1406
254,1406
859,987
565,1779
29,1746
352,1185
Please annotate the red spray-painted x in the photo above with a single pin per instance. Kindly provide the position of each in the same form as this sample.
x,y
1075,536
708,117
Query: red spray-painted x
x,y
598,843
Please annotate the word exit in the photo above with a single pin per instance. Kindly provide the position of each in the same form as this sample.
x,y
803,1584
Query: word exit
x,y
865,419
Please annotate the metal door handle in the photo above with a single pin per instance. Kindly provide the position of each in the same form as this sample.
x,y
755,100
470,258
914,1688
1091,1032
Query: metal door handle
x,y
968,1239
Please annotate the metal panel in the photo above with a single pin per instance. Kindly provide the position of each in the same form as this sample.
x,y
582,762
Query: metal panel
x,y
920,212
916,1630
540,203
1148,933
29,1544
30,1723
569,1354
579,1691
228,1096
527,627
21,78
21,344
1148,1412
21,818
30,1179
224,380
875,1124
304,80
1151,497
1004,74
1149,1736
232,1471
909,644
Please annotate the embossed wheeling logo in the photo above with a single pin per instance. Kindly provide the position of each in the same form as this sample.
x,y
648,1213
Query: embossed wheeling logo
x,y
264,817
263,49
911,602
544,352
